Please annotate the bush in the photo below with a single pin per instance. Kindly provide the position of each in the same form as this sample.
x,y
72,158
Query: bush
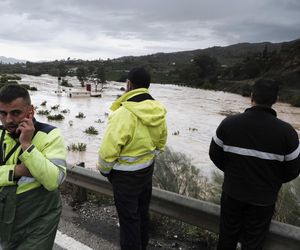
x,y
56,117
246,90
80,115
65,83
33,88
55,107
288,203
174,172
217,178
25,86
99,121
13,82
91,131
295,101
77,147
43,112
14,77
65,111
4,79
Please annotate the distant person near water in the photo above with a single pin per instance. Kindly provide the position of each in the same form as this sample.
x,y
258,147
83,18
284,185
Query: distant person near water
x,y
32,166
257,153
135,133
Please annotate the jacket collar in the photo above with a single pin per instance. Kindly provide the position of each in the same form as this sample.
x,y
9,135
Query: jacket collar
x,y
126,96
262,109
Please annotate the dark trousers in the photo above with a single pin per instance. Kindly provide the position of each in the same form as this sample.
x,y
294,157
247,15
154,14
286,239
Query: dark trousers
x,y
132,195
243,222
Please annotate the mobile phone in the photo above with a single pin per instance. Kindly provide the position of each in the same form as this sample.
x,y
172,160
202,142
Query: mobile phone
x,y
29,115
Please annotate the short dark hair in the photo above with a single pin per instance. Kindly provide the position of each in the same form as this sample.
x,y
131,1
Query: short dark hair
x,y
11,92
265,91
139,77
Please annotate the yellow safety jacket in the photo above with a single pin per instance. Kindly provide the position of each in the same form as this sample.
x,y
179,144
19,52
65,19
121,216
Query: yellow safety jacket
x,y
135,133
45,159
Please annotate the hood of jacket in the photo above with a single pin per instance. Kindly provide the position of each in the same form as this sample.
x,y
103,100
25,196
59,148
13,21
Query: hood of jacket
x,y
150,112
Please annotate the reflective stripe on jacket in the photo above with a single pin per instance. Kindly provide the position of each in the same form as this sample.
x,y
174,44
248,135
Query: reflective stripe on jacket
x,y
135,133
46,160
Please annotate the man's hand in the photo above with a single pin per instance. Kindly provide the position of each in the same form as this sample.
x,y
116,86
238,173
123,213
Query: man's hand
x,y
26,130
21,170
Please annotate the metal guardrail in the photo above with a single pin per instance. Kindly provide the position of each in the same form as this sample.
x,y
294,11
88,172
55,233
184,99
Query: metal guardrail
x,y
192,211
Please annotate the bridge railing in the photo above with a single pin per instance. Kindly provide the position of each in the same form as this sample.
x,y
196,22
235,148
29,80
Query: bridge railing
x,y
192,211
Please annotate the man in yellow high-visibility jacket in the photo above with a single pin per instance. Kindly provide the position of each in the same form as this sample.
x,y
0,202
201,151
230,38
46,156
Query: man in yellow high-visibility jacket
x,y
32,166
135,134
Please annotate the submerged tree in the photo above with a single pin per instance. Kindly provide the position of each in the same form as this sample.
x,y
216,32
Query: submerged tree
x,y
81,75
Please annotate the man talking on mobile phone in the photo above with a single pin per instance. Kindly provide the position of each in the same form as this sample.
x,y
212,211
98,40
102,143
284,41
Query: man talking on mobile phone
x,y
32,166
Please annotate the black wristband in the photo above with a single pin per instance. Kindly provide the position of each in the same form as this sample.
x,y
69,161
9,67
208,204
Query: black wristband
x,y
31,147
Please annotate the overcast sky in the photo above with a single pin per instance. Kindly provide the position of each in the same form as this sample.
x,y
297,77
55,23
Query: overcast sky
x,y
91,29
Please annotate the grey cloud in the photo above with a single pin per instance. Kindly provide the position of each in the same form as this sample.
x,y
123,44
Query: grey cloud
x,y
259,32
146,21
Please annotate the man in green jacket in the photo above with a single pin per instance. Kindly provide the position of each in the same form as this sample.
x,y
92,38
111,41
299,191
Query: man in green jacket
x,y
32,166
135,134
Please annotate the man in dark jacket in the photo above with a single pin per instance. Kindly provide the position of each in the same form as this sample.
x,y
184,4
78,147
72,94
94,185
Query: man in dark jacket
x,y
257,153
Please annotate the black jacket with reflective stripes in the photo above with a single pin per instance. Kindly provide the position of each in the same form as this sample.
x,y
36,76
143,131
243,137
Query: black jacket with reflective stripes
x,y
257,152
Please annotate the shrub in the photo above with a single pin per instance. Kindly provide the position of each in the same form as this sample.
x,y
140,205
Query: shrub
x,y
77,147
44,103
246,90
91,131
65,83
33,88
99,121
65,111
3,79
14,82
288,203
80,115
55,107
295,101
56,117
25,86
217,179
14,77
43,112
175,172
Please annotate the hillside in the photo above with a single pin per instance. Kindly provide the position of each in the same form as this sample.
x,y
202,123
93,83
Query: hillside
x,y
232,68
163,63
10,60
228,55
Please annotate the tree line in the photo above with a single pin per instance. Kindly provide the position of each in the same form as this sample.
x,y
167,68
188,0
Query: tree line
x,y
200,69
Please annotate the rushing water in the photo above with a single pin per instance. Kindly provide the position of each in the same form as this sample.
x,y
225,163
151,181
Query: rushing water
x,y
194,113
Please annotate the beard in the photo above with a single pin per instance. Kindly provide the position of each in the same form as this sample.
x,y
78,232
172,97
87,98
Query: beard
x,y
11,128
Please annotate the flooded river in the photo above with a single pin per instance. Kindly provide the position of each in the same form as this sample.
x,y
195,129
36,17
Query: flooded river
x,y
193,116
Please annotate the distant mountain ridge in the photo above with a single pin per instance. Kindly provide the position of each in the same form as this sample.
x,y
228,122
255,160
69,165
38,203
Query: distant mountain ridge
x,y
10,60
228,55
